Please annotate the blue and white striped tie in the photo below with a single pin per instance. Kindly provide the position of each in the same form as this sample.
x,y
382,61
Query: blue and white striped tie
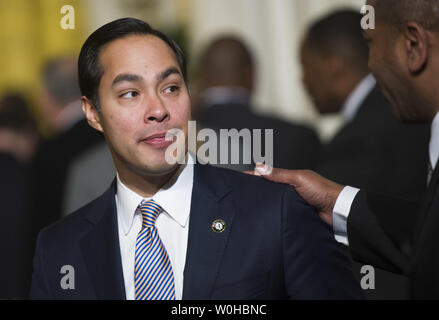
x,y
153,276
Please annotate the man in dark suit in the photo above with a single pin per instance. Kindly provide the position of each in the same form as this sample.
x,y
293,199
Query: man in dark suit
x,y
372,150
383,231
225,79
170,231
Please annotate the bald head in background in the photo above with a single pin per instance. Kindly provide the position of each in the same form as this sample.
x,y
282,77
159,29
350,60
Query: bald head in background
x,y
60,90
61,79
226,62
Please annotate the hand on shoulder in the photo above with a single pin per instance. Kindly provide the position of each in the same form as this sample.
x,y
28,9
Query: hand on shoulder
x,y
318,191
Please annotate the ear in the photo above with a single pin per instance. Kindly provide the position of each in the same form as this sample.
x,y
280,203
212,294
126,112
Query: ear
x,y
92,114
417,47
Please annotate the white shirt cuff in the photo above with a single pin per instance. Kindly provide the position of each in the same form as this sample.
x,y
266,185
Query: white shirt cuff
x,y
341,212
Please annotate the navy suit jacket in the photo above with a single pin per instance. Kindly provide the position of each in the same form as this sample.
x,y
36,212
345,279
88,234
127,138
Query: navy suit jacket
x,y
274,246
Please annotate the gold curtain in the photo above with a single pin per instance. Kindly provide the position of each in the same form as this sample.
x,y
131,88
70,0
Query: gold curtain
x,y
31,33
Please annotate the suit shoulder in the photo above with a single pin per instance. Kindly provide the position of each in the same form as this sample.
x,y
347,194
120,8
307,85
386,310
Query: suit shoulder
x,y
246,184
75,224
256,197
236,176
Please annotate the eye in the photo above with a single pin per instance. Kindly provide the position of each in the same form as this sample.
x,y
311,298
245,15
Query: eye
x,y
129,95
171,89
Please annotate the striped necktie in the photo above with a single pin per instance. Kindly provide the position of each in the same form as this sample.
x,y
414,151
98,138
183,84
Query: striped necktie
x,y
153,276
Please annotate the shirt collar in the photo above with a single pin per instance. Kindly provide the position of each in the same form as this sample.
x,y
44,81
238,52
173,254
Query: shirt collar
x,y
174,197
356,97
434,142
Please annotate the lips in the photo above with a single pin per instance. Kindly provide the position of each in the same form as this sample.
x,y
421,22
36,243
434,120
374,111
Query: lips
x,y
157,140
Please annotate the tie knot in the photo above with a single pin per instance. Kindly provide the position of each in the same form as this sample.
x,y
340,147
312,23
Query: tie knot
x,y
150,211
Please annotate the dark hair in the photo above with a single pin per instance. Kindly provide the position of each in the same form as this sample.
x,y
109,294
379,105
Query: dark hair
x,y
340,34
90,71
15,113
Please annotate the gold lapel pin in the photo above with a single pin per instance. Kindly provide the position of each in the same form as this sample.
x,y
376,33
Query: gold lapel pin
x,y
219,225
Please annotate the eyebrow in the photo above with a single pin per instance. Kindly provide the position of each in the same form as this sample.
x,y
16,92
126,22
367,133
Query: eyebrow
x,y
126,77
129,77
171,70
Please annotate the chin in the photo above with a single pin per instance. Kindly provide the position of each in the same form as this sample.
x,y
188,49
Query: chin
x,y
159,168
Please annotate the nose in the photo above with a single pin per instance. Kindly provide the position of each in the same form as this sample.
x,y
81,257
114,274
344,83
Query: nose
x,y
156,110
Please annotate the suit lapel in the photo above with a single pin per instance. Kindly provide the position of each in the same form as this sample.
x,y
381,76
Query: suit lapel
x,y
428,199
101,249
210,201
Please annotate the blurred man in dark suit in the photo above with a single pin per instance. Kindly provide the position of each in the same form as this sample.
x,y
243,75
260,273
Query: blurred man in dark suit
x,y
226,78
61,105
18,141
373,150
390,233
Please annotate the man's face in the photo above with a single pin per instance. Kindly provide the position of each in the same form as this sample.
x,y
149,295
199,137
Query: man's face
x,y
387,62
142,95
319,80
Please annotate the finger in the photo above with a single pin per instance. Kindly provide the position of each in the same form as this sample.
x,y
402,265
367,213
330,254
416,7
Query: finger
x,y
278,175
252,173
262,169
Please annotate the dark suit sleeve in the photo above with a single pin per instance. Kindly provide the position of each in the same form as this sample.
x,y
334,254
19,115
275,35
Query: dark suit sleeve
x,y
315,266
380,230
39,288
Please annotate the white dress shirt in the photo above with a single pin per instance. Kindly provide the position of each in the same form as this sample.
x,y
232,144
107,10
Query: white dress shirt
x,y
434,142
346,198
356,98
172,225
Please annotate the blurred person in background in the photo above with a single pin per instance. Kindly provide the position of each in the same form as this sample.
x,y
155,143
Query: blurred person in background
x,y
226,78
373,150
88,177
18,130
18,141
61,106
59,102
